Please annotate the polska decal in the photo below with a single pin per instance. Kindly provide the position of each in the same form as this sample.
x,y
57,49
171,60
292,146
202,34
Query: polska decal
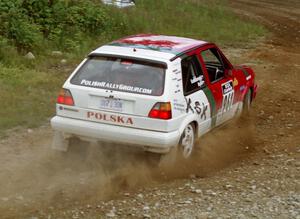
x,y
110,118
227,87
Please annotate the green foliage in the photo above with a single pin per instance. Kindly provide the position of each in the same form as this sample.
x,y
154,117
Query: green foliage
x,y
30,24
68,24
17,26
28,88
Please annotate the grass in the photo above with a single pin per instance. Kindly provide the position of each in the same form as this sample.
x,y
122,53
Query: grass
x,y
27,96
28,89
207,20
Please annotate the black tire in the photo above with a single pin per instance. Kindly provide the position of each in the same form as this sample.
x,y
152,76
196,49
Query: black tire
x,y
183,151
247,102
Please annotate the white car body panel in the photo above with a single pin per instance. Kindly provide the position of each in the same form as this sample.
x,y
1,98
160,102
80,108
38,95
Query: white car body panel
x,y
158,142
131,124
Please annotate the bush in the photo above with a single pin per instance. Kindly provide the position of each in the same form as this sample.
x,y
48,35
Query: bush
x,y
30,23
29,87
17,26
25,34
68,24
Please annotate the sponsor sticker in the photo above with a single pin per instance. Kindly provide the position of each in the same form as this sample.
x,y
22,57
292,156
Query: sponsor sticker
x,y
121,87
235,82
197,107
227,87
199,80
242,88
228,95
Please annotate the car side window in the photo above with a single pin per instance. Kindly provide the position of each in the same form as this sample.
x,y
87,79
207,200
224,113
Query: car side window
x,y
192,75
213,64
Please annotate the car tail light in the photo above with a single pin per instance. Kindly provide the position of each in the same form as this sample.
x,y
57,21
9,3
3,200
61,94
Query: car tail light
x,y
65,97
161,111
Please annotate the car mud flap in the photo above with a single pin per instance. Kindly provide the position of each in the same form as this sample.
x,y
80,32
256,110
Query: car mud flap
x,y
59,142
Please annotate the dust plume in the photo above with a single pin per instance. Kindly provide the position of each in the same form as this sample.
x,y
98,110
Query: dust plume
x,y
216,150
34,175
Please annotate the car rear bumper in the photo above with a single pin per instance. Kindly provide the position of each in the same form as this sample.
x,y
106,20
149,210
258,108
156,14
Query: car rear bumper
x,y
159,142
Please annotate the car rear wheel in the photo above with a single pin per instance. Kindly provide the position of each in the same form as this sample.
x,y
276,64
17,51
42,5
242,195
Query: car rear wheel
x,y
183,151
186,145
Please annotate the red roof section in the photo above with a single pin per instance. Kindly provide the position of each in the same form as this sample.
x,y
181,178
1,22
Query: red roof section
x,y
169,44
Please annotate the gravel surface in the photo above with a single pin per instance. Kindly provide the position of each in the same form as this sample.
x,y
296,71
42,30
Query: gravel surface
x,y
249,190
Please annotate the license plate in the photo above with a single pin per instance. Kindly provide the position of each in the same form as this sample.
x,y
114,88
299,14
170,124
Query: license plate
x,y
111,104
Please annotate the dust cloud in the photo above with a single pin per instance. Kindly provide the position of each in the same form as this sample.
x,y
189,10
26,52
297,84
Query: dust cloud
x,y
32,174
216,150
38,176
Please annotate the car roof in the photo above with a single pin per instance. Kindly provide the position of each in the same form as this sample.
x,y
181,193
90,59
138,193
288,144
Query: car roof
x,y
150,46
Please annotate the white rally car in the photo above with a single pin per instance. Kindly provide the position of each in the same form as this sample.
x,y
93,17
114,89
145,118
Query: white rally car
x,y
151,91
120,3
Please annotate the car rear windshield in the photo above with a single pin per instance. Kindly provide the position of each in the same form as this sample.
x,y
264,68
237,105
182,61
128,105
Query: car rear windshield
x,y
122,74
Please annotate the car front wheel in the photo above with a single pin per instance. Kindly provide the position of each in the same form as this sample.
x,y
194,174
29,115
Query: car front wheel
x,y
247,102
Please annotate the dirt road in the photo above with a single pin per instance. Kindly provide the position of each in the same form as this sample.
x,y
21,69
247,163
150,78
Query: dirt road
x,y
252,172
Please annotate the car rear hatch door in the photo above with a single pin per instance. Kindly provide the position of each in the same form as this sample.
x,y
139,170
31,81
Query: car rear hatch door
x,y
118,91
